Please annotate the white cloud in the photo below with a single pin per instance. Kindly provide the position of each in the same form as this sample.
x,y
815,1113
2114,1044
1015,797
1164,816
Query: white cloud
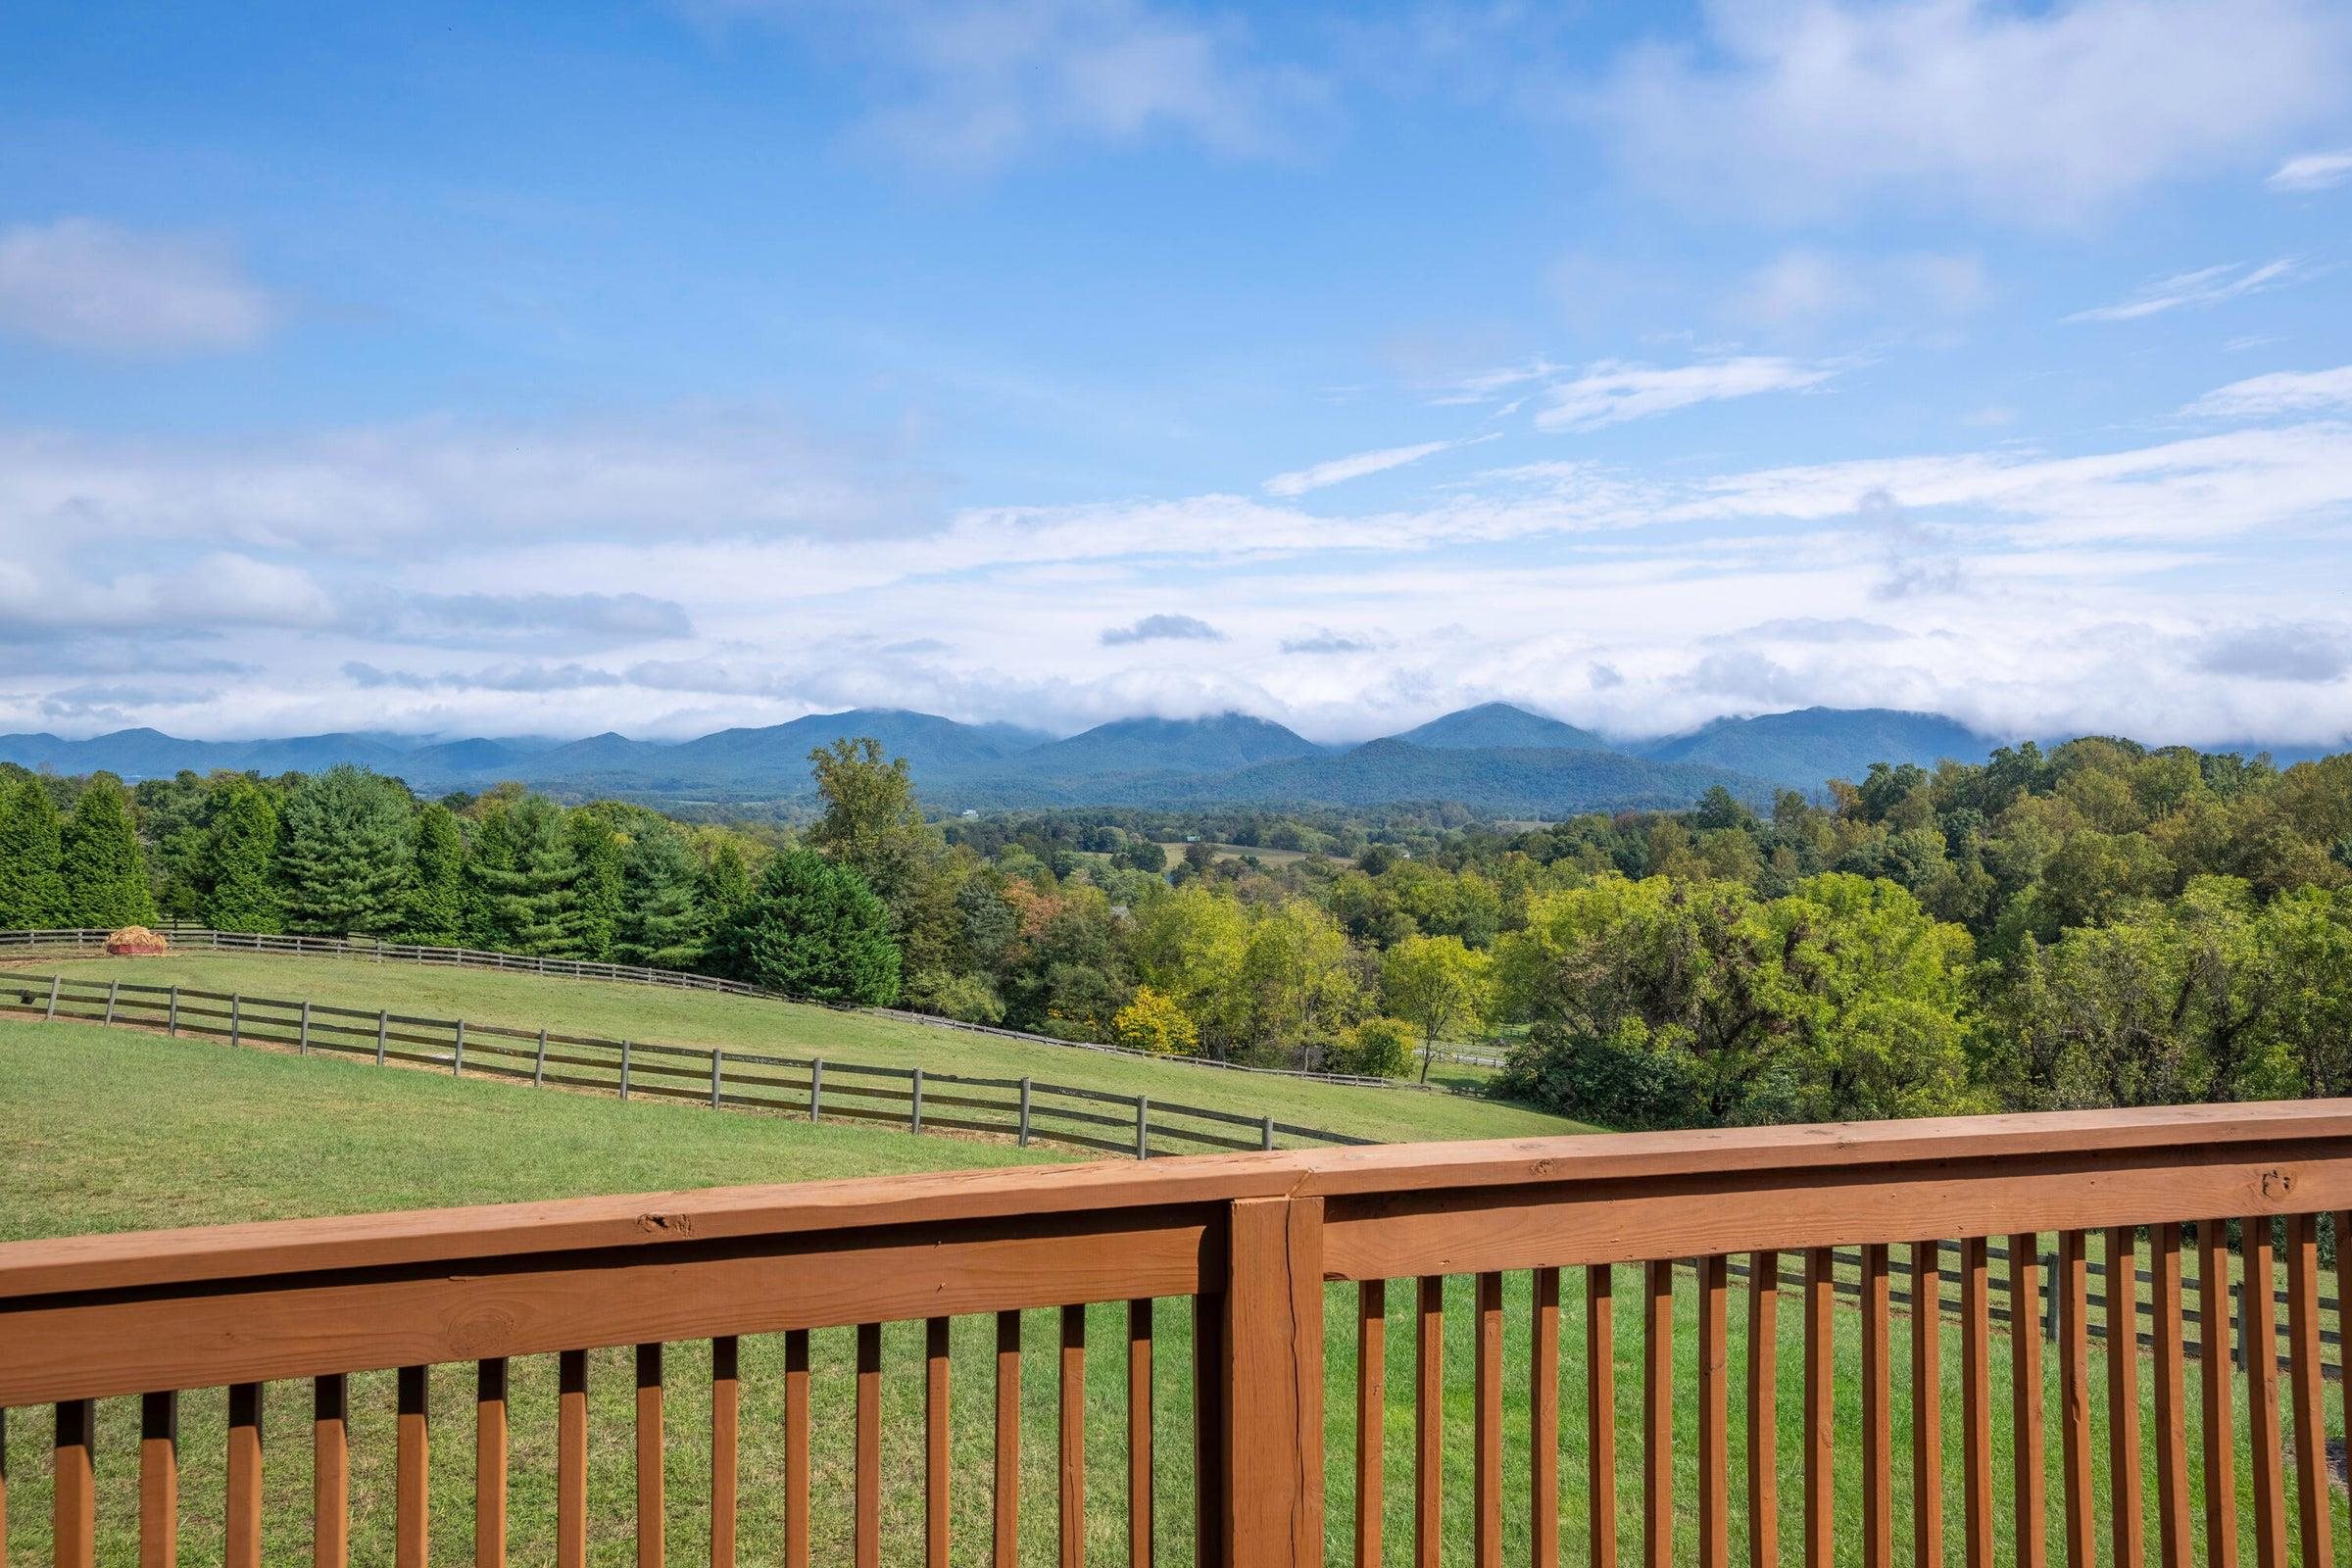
x,y
1802,108
2207,285
1612,391
1339,471
77,283
2312,171
2281,392
966,88
1805,287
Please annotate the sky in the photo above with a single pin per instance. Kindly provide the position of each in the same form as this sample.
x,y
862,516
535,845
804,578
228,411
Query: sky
x,y
546,370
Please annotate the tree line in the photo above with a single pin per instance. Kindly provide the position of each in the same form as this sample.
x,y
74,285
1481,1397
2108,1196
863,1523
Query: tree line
x,y
2095,924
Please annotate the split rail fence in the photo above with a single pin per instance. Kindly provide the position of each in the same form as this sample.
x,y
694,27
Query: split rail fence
x,y
1283,1262
811,1087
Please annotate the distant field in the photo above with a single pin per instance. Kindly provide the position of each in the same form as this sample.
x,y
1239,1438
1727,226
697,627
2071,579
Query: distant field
x,y
742,1023
1239,852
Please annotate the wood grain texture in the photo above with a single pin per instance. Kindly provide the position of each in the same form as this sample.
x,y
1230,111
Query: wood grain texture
x,y
1976,1404
412,1486
1544,1422
159,1483
1371,1411
1208,1428
1070,1439
2265,1465
1878,1411
652,1512
490,1464
2126,1498
73,1486
866,1530
1658,1413
2176,1537
1139,1437
1600,1415
726,1446
2217,1413
572,1459
1820,1500
1927,1402
1486,1468
2073,1385
242,1504
2029,1480
795,1442
1274,1383
1429,1417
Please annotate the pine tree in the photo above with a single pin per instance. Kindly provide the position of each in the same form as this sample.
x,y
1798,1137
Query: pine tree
x,y
105,874
235,865
32,893
814,929
347,853
662,917
437,888
596,851
724,885
520,880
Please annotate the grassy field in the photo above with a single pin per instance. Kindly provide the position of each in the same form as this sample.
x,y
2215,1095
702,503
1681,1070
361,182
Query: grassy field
x,y
621,1011
1241,851
183,1130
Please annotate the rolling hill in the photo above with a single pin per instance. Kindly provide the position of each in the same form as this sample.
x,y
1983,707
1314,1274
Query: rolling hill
x,y
1805,749
1491,725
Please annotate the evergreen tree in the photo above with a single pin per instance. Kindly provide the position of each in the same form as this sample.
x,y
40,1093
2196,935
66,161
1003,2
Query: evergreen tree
x,y
347,853
32,893
726,884
814,929
663,924
520,880
437,884
105,874
596,849
235,864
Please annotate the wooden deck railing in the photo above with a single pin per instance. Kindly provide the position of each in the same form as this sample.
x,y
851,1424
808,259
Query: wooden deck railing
x,y
1278,1266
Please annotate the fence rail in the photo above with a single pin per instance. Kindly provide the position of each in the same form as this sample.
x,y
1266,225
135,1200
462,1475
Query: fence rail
x,y
1281,1263
204,937
813,1087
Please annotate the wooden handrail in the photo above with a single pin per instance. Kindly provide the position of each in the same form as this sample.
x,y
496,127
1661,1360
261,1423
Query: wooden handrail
x,y
1253,1240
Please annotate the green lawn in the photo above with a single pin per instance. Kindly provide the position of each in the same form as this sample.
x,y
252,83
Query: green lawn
x,y
103,1129
621,1010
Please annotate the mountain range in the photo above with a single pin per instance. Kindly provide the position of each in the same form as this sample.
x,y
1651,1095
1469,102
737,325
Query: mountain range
x,y
1495,758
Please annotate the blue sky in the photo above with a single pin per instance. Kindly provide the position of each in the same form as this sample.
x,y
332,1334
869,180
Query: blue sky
x,y
660,366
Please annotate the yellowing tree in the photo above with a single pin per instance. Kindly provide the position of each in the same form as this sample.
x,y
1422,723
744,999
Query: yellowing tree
x,y
1153,1023
1436,983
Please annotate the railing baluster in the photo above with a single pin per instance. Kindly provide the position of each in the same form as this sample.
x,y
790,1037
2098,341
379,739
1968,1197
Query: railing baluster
x,y
936,1334
1070,1433
1208,1421
1543,1422
1976,1402
242,1520
2313,1484
1429,1399
2172,1427
2025,1400
1139,1438
1878,1399
1927,1402
159,1480
74,1487
2127,1501
726,1462
649,1505
1371,1409
1763,1399
412,1484
1008,1439
1714,1414
867,1541
1657,1415
796,1449
2263,1437
1820,1369
331,1471
2073,1378
1601,1413
1487,1446
490,1463
2213,1365
572,1459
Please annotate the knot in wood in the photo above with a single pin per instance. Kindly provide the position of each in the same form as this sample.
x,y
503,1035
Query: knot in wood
x,y
665,1224
2277,1184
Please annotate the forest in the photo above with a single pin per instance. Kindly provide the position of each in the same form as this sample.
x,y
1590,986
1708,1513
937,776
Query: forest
x,y
2094,924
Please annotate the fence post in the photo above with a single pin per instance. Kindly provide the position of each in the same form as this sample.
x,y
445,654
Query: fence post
x,y
716,1057
236,1016
1272,1372
383,1022
1265,1134
1143,1126
113,989
302,1036
51,1014
539,1065
457,1057
915,1114
624,1069
1024,1113
171,1014
816,1086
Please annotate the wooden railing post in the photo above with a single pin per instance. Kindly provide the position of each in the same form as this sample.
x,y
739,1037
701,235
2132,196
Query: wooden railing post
x,y
1272,1378
914,1103
1025,1086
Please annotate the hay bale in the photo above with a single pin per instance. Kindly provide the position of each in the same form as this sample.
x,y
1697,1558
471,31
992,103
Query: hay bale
x,y
136,942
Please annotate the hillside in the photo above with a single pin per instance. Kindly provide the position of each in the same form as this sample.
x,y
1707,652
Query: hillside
x,y
743,1024
1512,782
1803,750
1128,747
1491,725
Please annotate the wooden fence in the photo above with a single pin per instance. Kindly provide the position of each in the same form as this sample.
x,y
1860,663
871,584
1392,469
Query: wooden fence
x,y
206,939
1283,1261
813,1087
